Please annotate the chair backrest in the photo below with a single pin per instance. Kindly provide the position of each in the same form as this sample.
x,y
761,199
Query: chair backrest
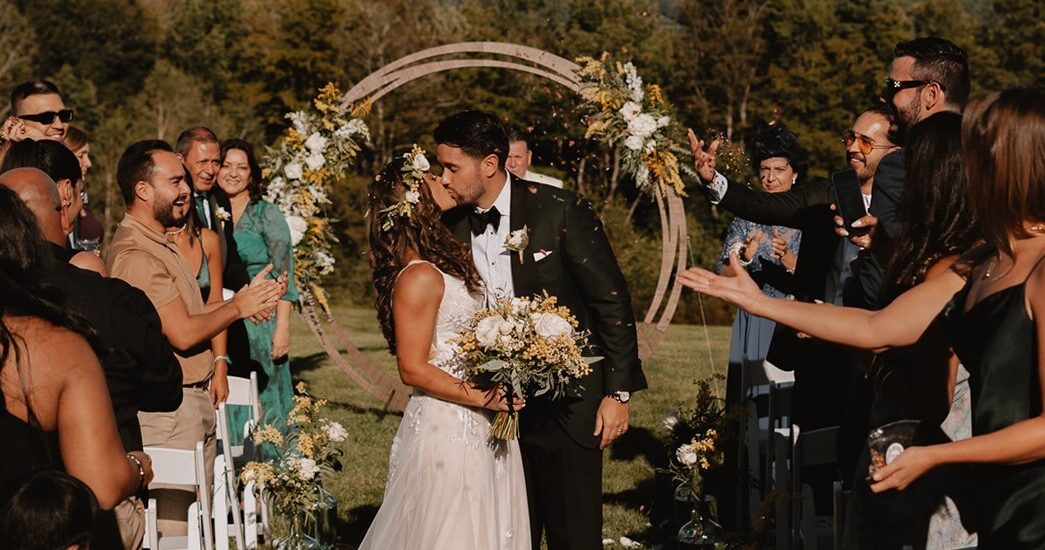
x,y
777,376
244,391
184,467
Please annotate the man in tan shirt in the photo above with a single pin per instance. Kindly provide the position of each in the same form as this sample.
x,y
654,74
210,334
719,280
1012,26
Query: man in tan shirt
x,y
152,182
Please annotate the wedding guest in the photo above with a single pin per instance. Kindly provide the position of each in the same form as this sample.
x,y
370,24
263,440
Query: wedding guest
x,y
770,253
140,369
200,152
520,158
37,112
50,511
61,165
152,182
992,303
262,238
54,407
923,381
88,230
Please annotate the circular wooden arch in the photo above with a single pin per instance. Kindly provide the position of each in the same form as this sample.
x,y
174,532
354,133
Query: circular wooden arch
x,y
525,59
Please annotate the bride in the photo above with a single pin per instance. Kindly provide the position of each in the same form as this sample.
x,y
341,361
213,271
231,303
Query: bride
x,y
450,485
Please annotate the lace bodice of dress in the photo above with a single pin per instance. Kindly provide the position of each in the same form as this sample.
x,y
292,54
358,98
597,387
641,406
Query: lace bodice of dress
x,y
455,314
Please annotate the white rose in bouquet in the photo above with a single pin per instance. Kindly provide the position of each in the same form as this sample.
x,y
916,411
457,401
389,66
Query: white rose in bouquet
x,y
549,325
630,110
488,329
634,143
421,163
315,161
307,467
687,455
670,421
663,121
336,432
297,226
642,125
316,142
293,171
300,121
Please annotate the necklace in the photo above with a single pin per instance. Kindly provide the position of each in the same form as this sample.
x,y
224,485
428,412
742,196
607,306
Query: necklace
x,y
1036,228
171,234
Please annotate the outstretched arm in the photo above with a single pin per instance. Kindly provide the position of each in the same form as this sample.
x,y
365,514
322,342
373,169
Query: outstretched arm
x,y
899,324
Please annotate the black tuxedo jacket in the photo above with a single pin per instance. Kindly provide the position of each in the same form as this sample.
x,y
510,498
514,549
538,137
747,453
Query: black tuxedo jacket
x,y
579,268
234,271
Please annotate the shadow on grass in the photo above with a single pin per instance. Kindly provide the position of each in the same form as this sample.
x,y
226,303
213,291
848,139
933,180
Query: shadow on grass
x,y
355,528
653,495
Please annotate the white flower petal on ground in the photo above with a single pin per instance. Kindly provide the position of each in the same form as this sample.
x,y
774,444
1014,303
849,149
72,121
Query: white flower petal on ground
x,y
315,161
293,171
298,227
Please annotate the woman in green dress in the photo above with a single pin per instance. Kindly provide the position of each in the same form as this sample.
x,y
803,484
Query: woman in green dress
x,y
262,237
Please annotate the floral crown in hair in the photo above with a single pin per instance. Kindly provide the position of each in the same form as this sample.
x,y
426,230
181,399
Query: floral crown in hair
x,y
414,167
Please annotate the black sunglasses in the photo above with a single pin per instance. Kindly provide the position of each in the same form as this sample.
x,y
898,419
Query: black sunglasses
x,y
894,86
47,117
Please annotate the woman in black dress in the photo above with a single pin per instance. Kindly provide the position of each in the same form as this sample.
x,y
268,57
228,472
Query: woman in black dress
x,y
992,303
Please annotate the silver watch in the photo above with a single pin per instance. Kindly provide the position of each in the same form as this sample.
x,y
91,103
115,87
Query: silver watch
x,y
621,397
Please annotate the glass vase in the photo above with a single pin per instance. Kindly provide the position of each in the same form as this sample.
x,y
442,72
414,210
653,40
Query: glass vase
x,y
325,527
700,531
296,537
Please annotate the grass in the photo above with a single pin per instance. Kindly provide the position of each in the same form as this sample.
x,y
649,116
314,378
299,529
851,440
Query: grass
x,y
636,501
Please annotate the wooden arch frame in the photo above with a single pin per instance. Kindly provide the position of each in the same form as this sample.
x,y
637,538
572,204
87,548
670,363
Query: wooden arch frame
x,y
564,72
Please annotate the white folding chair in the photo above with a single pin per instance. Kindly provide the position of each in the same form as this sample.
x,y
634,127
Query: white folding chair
x,y
242,391
812,448
762,382
181,467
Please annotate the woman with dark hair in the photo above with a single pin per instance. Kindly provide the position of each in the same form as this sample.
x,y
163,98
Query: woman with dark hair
x,y
450,485
990,304
262,238
918,382
88,230
54,404
770,253
50,511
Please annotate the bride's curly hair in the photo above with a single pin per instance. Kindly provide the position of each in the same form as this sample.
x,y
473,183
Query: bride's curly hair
x,y
422,232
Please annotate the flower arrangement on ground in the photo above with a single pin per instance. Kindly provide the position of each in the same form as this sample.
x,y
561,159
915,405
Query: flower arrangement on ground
x,y
312,158
527,346
625,112
304,455
694,439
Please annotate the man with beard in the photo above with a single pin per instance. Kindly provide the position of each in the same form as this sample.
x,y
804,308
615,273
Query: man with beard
x,y
152,181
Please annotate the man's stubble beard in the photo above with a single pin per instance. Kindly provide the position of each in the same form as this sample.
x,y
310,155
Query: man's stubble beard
x,y
165,216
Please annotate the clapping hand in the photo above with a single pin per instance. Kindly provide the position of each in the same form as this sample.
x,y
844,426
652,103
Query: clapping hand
x,y
750,248
782,252
260,279
13,129
703,160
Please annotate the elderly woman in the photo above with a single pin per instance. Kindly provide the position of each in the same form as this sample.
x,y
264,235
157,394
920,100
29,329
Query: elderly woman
x,y
768,252
262,237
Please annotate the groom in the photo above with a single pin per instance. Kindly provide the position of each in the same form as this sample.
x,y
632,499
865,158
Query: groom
x,y
569,257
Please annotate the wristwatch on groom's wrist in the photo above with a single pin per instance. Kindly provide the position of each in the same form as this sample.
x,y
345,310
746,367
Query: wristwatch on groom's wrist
x,y
621,397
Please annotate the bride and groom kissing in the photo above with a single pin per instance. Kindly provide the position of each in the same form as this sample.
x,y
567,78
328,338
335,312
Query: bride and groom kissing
x,y
439,254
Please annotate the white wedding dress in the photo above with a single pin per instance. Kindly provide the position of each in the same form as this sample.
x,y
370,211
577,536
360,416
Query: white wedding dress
x,y
450,485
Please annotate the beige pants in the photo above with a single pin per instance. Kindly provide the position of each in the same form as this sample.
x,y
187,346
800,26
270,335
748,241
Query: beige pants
x,y
121,527
181,429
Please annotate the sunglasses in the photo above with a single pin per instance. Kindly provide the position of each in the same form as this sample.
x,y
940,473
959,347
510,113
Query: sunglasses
x,y
47,117
865,143
892,87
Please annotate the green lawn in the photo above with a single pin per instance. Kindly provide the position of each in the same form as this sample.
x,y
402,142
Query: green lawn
x,y
636,500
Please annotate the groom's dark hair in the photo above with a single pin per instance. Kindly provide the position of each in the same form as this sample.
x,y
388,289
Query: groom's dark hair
x,y
477,133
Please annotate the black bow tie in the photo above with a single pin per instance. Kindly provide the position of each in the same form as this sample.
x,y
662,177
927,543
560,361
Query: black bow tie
x,y
479,220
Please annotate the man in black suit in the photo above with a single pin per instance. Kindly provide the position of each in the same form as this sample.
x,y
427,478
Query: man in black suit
x,y
200,152
569,257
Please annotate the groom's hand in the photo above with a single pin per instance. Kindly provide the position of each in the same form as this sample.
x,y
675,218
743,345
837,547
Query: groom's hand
x,y
611,421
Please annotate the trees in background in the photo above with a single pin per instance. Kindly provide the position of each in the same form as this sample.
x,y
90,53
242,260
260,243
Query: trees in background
x,y
148,68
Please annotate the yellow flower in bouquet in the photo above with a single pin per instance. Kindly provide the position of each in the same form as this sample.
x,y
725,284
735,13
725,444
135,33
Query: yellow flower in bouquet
x,y
528,347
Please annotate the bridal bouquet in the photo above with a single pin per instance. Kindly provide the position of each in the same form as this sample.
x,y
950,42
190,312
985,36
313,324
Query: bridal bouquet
x,y
528,346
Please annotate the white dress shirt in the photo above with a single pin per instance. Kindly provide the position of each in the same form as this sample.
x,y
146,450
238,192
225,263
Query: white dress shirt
x,y
492,259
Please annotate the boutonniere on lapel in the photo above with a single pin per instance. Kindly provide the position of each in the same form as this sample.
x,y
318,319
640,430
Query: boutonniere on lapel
x,y
222,215
517,241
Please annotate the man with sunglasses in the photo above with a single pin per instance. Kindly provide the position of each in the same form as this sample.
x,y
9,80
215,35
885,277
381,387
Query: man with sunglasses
x,y
37,113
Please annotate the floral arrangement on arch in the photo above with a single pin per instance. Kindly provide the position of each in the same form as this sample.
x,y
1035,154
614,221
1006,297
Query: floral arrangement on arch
x,y
529,347
693,438
312,158
625,112
306,453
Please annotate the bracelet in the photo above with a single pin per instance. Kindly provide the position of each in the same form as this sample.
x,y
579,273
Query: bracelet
x,y
141,471
225,358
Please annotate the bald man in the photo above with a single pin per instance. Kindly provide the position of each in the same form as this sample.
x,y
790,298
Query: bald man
x,y
141,370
